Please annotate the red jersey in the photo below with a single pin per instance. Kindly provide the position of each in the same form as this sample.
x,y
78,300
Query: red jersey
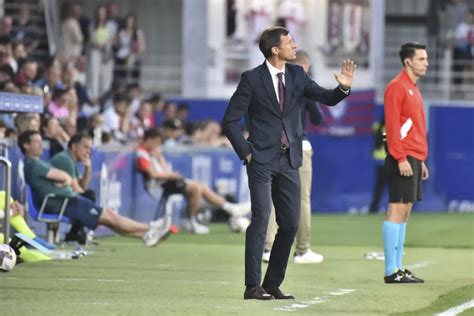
x,y
405,119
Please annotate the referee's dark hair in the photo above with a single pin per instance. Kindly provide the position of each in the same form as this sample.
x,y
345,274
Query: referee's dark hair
x,y
271,38
77,138
407,50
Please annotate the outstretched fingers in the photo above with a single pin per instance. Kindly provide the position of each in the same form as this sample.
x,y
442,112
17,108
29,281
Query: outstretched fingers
x,y
348,67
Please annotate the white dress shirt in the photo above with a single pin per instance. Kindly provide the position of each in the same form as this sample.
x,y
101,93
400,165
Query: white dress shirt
x,y
273,73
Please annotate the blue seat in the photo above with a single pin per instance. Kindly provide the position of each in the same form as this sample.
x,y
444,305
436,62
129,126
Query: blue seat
x,y
52,219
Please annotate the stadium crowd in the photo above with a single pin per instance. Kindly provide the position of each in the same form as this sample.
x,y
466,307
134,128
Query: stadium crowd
x,y
91,92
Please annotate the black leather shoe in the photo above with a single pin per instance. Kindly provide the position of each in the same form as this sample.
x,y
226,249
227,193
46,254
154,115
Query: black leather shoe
x,y
278,294
257,293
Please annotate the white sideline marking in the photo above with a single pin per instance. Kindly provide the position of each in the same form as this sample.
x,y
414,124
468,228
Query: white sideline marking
x,y
98,280
92,303
313,301
8,278
457,309
71,279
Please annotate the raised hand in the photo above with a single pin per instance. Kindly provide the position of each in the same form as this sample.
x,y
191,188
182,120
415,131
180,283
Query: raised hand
x,y
347,74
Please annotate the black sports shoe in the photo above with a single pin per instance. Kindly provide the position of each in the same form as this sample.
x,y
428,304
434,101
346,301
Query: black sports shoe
x,y
79,236
413,278
397,277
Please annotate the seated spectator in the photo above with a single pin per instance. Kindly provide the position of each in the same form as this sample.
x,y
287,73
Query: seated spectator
x,y
158,175
53,133
79,150
157,104
19,52
69,79
27,121
173,133
117,119
27,72
58,105
52,77
141,121
7,53
44,179
6,75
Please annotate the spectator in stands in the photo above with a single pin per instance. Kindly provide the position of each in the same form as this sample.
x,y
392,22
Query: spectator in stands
x,y
27,73
6,23
95,129
58,105
52,76
134,95
53,132
158,175
114,20
117,119
44,179
173,132
27,121
157,103
6,53
130,44
212,134
100,57
170,110
84,23
19,52
70,47
182,112
25,30
70,80
463,52
141,121
6,75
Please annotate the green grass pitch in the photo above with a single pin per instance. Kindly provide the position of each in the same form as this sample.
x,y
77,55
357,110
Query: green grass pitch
x,y
203,275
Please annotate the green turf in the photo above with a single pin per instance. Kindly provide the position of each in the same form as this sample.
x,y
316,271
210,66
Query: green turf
x,y
202,275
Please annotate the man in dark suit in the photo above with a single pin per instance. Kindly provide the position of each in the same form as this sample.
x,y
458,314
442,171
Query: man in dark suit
x,y
271,97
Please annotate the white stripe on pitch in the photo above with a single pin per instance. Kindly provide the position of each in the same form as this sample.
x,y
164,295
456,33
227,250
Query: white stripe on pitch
x,y
457,309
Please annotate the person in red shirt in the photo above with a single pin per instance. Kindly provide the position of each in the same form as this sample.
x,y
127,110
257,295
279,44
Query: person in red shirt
x,y
407,151
159,176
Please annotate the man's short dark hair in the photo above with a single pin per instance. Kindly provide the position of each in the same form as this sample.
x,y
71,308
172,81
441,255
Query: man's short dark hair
x,y
408,50
152,133
271,37
25,138
77,138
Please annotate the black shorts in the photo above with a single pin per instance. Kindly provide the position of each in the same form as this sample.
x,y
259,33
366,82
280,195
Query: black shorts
x,y
175,186
403,189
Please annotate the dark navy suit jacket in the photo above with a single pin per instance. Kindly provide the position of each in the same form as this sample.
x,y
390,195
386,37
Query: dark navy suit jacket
x,y
255,98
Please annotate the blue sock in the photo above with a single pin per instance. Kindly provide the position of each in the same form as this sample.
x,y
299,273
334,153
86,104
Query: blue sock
x,y
390,241
401,244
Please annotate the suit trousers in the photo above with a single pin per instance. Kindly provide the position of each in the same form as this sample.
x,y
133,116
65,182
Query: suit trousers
x,y
275,180
303,236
